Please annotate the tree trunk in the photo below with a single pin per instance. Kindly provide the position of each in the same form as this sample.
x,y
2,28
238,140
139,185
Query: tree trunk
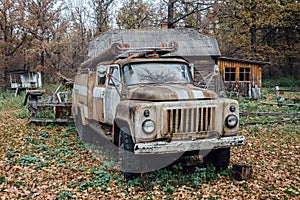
x,y
43,59
171,13
253,41
253,34
5,78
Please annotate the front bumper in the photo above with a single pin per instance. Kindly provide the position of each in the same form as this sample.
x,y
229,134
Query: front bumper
x,y
163,147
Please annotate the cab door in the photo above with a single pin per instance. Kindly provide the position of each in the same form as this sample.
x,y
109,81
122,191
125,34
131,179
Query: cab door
x,y
112,91
99,93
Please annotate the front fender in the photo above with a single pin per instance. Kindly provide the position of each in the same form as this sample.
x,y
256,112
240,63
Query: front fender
x,y
125,116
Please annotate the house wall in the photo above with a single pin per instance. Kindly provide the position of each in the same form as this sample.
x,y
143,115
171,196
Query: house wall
x,y
240,76
25,79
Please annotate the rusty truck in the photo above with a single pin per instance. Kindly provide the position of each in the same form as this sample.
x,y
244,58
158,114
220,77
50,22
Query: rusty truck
x,y
139,93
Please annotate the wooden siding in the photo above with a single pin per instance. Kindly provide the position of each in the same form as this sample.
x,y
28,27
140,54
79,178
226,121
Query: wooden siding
x,y
236,84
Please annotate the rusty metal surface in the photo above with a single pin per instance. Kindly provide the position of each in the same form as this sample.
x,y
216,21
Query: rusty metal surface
x,y
151,60
182,146
209,114
190,120
52,109
165,92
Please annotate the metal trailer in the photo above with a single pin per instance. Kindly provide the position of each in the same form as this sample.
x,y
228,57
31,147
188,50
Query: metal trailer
x,y
53,109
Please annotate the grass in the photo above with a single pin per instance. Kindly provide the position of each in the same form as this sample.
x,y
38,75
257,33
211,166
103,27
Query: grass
x,y
9,102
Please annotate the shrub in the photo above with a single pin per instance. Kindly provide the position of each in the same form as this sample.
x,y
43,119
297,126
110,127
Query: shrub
x,y
297,83
286,82
269,83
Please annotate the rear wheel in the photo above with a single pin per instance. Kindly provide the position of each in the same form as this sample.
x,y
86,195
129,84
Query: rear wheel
x,y
219,158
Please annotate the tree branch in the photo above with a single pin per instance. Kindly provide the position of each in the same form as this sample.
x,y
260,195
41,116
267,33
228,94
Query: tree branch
x,y
190,13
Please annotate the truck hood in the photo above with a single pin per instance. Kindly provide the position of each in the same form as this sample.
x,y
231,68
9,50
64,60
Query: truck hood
x,y
158,92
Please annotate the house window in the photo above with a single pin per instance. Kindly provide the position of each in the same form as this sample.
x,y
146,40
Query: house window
x,y
229,74
244,74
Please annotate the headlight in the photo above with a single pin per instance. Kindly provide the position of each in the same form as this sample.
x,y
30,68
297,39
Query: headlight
x,y
231,121
148,126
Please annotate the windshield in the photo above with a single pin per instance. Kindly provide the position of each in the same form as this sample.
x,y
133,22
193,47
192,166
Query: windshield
x,y
151,73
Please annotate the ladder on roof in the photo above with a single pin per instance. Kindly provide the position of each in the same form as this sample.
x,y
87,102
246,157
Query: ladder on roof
x,y
145,52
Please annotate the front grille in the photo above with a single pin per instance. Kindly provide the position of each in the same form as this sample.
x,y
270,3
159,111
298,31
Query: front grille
x,y
189,120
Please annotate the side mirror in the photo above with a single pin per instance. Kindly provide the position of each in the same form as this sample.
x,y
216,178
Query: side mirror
x,y
216,70
101,71
192,68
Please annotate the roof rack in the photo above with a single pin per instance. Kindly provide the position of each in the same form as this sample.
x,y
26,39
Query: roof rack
x,y
146,52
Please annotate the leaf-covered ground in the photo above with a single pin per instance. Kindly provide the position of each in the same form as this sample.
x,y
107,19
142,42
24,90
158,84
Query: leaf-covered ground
x,y
49,162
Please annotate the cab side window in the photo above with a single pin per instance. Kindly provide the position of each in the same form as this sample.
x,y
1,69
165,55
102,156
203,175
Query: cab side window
x,y
115,76
101,80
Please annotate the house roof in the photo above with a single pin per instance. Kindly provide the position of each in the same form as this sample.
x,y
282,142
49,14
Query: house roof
x,y
244,60
21,71
183,42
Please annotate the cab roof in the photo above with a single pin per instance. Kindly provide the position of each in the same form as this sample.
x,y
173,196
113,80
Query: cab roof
x,y
149,60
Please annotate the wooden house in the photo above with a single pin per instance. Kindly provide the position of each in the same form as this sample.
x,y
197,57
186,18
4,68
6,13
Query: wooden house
x,y
24,79
242,76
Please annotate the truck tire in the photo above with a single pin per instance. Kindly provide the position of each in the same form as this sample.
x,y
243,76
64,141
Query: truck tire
x,y
219,158
129,161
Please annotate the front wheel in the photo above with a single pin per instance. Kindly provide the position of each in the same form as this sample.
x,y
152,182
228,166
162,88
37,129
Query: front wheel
x,y
128,160
219,158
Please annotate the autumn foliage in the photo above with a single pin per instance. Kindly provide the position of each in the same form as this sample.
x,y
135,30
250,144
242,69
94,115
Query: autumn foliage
x,y
50,162
52,36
